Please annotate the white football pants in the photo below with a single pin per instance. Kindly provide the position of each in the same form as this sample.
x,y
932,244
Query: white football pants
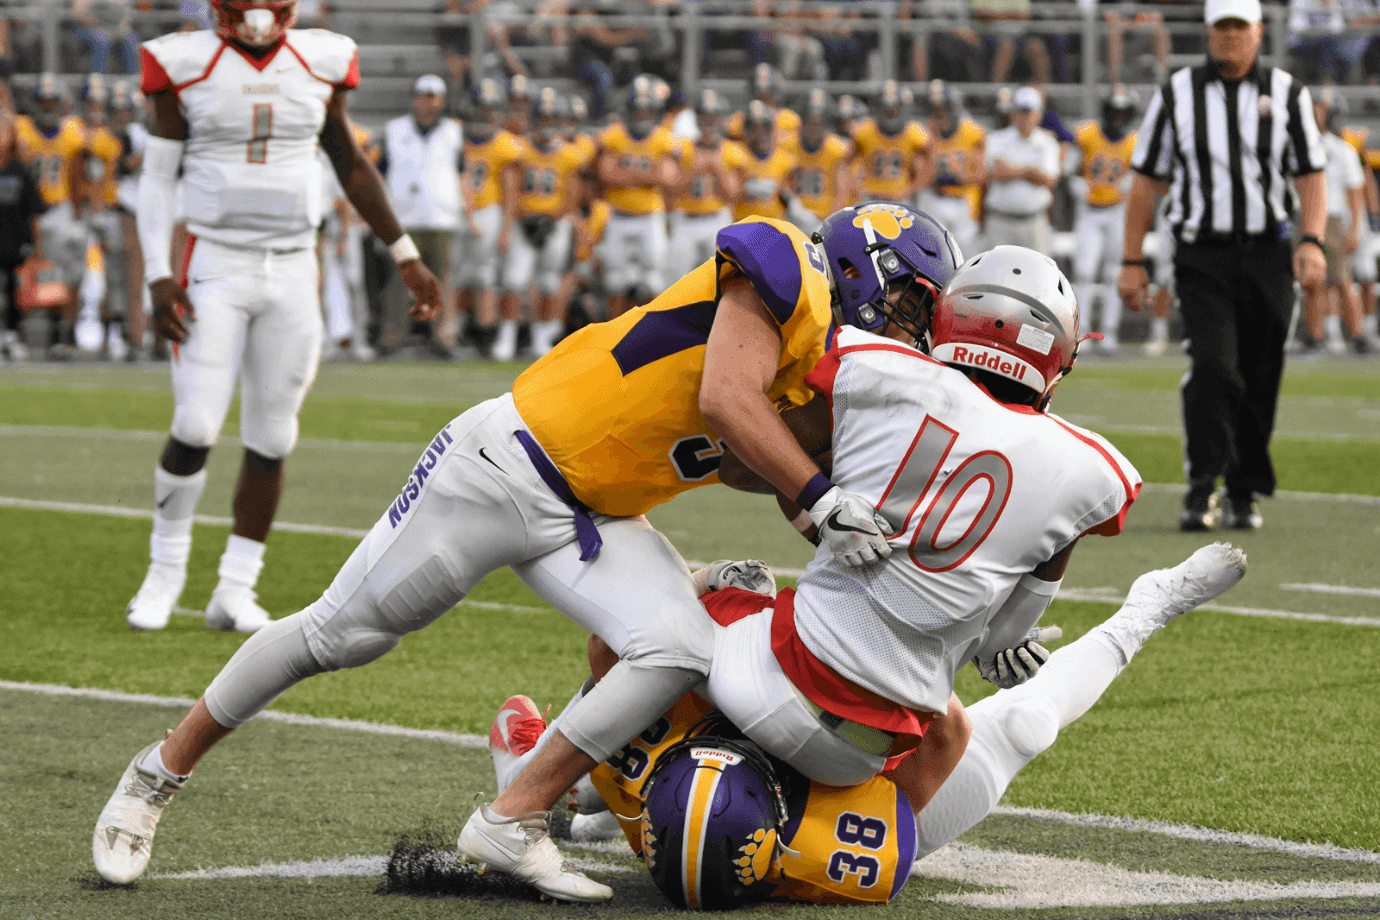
x,y
634,253
694,240
1098,235
474,260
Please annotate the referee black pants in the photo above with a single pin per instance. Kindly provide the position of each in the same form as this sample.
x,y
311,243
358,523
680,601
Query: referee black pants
x,y
1236,303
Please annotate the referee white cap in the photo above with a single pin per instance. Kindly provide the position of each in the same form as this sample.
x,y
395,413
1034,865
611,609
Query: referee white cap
x,y
429,85
1217,10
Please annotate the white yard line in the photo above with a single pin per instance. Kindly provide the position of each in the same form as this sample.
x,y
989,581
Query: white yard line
x,y
1016,880
124,434
342,867
1113,596
7,501
1334,589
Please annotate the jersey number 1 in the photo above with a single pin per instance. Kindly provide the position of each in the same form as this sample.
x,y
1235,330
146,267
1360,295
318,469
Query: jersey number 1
x,y
262,131
914,481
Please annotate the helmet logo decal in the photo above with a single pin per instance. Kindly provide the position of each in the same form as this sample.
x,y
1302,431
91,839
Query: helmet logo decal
x,y
1035,339
990,359
886,220
755,858
648,840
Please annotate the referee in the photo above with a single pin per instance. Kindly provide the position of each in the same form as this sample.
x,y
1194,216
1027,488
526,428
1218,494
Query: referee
x,y
1223,139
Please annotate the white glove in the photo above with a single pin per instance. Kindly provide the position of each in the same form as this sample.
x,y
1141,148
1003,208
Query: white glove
x,y
1017,665
854,530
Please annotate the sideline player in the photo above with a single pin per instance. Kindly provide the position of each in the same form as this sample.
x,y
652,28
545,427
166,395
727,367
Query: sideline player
x,y
822,177
50,141
986,494
960,152
768,170
1099,171
856,844
711,181
892,150
553,480
244,302
636,164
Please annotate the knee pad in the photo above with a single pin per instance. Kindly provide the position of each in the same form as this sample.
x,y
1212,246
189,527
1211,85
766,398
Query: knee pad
x,y
194,427
1029,726
270,437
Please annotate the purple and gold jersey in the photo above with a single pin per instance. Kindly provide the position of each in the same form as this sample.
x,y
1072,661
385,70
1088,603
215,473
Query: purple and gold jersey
x,y
616,404
843,845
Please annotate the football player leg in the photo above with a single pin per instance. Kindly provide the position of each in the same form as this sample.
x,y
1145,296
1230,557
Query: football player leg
x,y
552,302
1010,728
519,268
1089,253
204,368
282,347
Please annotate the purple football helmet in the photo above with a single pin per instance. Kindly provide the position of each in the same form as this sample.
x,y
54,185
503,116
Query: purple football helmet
x,y
711,825
871,245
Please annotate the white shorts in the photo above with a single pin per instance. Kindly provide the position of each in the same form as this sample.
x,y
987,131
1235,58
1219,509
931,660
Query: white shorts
x,y
694,240
747,684
474,259
546,266
258,318
634,252
1098,234
1363,267
955,215
474,503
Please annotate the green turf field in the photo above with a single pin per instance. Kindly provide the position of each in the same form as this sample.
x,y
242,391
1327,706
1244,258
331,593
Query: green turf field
x,y
1254,720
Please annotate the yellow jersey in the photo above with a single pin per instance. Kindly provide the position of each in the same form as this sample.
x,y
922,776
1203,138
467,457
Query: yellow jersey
x,y
545,180
588,150
485,162
645,153
53,154
1358,138
107,148
817,177
786,130
704,195
886,159
953,157
616,404
763,180
1105,164
851,845
593,226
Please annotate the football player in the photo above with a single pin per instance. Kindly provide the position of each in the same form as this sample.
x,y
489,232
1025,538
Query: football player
x,y
554,480
893,152
106,145
492,182
960,150
50,141
822,170
636,164
1100,176
770,833
711,181
549,194
768,86
768,171
244,302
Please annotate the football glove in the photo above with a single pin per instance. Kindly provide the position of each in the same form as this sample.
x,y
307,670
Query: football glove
x,y
855,531
1017,665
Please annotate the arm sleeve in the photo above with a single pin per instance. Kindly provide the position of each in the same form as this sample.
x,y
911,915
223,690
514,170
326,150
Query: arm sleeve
x,y
157,188
1155,139
1022,609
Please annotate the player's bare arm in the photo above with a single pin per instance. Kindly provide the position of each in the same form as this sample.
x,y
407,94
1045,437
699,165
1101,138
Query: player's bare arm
x,y
921,774
739,367
510,181
812,427
172,308
365,189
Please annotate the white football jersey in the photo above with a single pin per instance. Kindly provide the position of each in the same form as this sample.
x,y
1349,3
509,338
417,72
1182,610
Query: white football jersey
x,y
979,494
250,170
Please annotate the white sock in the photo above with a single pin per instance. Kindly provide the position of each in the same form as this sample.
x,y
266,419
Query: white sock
x,y
1012,727
509,773
153,763
1369,324
1111,314
241,562
1332,328
1159,330
174,499
507,333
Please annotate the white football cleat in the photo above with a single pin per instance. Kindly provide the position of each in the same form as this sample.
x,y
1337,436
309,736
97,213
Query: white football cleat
x,y
749,574
1157,597
234,609
153,604
594,828
123,840
522,848
515,731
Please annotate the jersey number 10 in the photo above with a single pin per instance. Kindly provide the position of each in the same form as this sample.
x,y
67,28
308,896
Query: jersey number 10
x,y
914,480
262,131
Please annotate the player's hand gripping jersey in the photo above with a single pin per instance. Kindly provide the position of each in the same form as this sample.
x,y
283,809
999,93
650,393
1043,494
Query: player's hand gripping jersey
x,y
616,405
978,493
251,176
842,845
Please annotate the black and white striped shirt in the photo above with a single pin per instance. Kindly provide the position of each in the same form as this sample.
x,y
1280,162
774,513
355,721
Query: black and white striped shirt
x,y
1227,149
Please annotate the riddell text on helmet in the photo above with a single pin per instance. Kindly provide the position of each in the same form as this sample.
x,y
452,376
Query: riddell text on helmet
x,y
992,360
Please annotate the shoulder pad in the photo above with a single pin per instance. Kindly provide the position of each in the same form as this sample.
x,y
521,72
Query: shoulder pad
x,y
329,56
181,56
766,253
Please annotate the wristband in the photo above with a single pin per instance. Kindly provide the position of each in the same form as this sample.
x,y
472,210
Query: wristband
x,y
1134,263
813,491
1310,238
403,249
